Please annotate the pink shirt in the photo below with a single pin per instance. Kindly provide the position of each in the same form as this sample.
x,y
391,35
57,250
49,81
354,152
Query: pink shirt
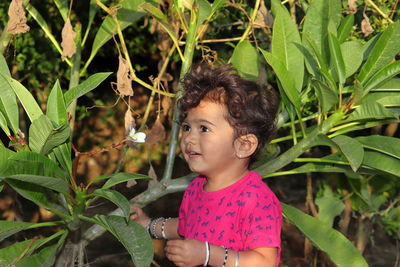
x,y
242,216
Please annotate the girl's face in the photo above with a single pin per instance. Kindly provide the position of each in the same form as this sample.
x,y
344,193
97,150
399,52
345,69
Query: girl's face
x,y
208,140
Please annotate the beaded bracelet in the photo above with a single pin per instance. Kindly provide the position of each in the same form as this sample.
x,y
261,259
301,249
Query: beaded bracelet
x,y
225,257
163,227
148,228
155,221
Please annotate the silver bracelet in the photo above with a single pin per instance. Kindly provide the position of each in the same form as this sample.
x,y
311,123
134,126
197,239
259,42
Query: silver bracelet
x,y
163,228
154,227
237,259
225,257
148,228
207,254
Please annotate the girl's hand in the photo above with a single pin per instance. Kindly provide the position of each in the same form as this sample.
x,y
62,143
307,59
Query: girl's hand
x,y
188,252
139,216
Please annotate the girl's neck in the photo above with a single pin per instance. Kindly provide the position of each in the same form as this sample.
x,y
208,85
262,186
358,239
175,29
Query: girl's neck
x,y
215,183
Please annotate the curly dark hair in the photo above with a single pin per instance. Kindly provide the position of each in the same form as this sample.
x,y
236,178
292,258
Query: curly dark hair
x,y
251,109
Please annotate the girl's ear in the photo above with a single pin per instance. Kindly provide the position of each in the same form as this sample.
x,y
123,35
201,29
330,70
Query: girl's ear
x,y
245,145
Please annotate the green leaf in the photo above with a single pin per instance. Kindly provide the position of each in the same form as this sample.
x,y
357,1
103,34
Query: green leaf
x,y
63,7
246,61
204,11
383,144
56,108
8,228
351,149
329,206
382,162
336,58
29,103
5,154
311,62
131,235
284,77
26,247
86,86
345,28
4,66
369,110
321,17
339,249
8,103
327,96
44,258
216,5
62,154
382,75
284,37
56,184
92,13
3,124
121,177
26,162
128,13
43,24
116,198
43,136
382,53
352,56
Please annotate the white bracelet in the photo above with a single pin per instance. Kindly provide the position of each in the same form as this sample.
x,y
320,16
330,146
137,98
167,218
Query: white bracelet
x,y
207,254
163,228
237,259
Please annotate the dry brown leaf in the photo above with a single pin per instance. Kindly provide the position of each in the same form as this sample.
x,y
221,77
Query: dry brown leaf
x,y
152,174
264,17
68,40
124,82
17,20
352,6
129,121
366,27
157,133
166,104
131,183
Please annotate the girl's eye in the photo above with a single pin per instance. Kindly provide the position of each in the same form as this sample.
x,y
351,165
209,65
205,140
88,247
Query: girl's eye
x,y
204,128
185,128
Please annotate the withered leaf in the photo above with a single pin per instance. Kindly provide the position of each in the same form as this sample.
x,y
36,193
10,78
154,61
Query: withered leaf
x,y
166,104
17,18
124,83
352,6
264,17
366,27
129,121
152,174
157,133
68,40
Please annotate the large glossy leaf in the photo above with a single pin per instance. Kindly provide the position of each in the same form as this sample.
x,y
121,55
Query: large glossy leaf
x,y
382,53
382,162
131,235
322,17
345,28
56,108
29,103
284,77
284,37
369,110
4,66
351,149
336,58
382,76
8,228
43,24
246,60
339,249
352,56
86,86
128,13
26,162
116,198
43,136
383,144
329,205
56,184
8,103
121,177
26,248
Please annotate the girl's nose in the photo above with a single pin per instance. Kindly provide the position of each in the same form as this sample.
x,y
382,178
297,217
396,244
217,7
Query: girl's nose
x,y
189,137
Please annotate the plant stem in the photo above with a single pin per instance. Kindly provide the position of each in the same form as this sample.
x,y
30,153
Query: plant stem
x,y
378,10
252,19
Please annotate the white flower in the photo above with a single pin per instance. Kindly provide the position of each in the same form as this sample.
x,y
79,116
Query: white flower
x,y
137,137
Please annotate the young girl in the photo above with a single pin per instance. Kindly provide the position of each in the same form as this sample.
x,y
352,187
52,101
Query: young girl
x,y
228,215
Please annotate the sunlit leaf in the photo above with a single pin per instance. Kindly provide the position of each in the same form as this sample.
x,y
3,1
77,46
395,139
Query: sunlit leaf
x,y
345,28
382,162
336,58
63,7
56,108
383,144
339,249
246,61
351,149
8,103
4,66
352,56
3,124
382,75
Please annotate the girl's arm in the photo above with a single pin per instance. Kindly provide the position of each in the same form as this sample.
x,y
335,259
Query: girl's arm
x,y
192,252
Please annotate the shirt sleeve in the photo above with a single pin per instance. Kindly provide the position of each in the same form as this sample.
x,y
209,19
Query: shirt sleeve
x,y
263,226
